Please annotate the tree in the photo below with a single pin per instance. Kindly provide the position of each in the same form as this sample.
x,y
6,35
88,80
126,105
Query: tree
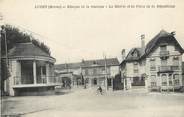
x,y
14,35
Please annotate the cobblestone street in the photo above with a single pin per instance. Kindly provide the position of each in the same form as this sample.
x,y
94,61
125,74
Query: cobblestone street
x,y
85,102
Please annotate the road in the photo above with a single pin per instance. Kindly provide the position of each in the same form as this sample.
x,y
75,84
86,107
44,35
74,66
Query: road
x,y
86,103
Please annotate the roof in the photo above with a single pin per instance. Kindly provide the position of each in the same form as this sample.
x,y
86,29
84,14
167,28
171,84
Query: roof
x,y
130,56
162,36
88,63
68,66
100,62
26,50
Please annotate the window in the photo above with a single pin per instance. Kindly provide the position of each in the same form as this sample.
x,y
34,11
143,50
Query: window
x,y
136,67
152,65
94,62
164,62
176,79
153,84
175,63
103,69
95,81
136,70
90,71
44,70
163,47
135,63
94,71
164,80
177,82
86,71
134,54
109,82
170,80
153,80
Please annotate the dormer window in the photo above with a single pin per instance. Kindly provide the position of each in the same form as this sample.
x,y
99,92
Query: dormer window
x,y
134,54
176,58
164,54
152,59
94,62
135,63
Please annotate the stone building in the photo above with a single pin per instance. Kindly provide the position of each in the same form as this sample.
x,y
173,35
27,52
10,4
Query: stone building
x,y
100,72
69,74
89,73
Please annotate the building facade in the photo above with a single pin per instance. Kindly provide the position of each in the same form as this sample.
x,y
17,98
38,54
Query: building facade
x,y
133,67
69,75
90,73
100,72
163,55
158,64
31,71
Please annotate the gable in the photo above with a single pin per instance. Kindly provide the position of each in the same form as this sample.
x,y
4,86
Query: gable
x,y
134,53
162,38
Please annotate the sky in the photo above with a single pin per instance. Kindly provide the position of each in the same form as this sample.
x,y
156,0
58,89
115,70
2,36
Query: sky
x,y
91,33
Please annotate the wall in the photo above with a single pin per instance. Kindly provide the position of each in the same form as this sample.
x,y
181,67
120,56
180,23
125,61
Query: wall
x,y
114,70
15,70
156,55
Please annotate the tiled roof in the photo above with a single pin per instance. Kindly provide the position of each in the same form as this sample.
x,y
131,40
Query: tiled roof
x,y
26,49
100,62
88,63
162,36
130,56
68,66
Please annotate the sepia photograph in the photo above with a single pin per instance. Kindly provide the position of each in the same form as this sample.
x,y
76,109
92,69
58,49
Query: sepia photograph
x,y
92,58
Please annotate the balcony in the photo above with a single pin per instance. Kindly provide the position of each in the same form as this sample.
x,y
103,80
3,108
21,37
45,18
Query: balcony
x,y
164,54
168,68
153,68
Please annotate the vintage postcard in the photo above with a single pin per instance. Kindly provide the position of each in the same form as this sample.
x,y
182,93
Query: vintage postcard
x,y
92,58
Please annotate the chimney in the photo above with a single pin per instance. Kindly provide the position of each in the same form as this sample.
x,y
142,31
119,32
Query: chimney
x,y
83,60
173,33
143,42
123,54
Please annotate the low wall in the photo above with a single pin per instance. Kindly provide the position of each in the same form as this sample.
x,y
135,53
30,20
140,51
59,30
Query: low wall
x,y
35,91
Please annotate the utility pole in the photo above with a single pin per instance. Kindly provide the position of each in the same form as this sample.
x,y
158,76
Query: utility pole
x,y
6,46
3,33
1,17
124,81
1,81
106,84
